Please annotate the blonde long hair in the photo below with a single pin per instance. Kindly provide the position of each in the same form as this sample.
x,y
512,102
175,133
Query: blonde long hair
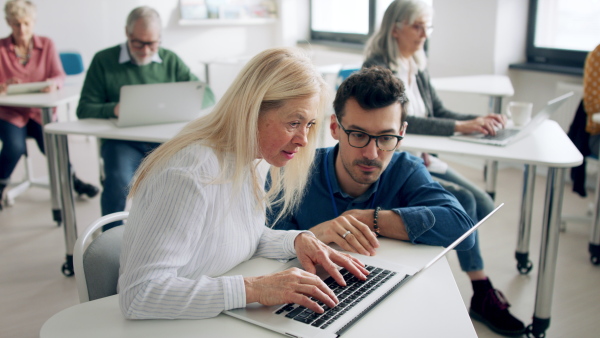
x,y
271,78
382,43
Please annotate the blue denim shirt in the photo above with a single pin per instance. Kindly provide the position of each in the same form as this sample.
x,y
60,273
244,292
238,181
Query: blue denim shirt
x,y
431,214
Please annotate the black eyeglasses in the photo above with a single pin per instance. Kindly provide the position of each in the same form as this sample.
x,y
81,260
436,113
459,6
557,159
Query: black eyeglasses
x,y
137,44
360,139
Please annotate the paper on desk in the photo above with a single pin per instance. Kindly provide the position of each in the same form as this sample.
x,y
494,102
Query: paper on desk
x,y
436,165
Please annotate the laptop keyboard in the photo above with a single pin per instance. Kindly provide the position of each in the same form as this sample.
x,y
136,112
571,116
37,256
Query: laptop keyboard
x,y
350,295
501,134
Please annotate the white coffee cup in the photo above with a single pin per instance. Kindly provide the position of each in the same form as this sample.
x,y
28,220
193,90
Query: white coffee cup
x,y
519,112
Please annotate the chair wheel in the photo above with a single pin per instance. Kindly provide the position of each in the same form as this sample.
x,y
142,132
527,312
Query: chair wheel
x,y
524,269
67,270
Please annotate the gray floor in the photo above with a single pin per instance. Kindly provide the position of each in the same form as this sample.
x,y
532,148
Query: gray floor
x,y
32,249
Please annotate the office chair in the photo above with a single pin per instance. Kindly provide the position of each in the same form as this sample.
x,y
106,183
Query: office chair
x,y
343,75
97,266
72,63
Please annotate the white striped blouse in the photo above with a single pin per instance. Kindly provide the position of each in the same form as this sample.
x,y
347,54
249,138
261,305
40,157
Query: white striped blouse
x,y
182,233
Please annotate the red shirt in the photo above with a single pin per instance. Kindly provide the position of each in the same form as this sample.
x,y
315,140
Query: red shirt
x,y
43,64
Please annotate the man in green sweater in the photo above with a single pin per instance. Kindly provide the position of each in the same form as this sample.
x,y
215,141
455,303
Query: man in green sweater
x,y
140,60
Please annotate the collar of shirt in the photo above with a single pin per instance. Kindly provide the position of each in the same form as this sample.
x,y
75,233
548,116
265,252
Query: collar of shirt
x,y
125,57
331,155
37,43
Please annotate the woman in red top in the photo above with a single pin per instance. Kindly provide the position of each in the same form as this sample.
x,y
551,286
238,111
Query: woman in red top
x,y
25,57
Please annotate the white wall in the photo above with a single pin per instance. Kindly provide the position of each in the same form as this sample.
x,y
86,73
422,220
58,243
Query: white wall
x,y
470,37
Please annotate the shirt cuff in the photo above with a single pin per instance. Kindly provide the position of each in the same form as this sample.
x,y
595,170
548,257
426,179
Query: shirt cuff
x,y
417,221
288,243
234,292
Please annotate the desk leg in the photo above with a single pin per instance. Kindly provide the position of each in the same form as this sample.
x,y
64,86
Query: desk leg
x,y
50,148
490,177
548,252
206,70
594,246
524,265
66,185
491,171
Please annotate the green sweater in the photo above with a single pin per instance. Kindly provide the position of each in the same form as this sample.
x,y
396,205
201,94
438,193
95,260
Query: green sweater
x,y
105,77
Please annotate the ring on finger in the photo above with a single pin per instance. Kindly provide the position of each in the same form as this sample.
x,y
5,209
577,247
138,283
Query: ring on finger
x,y
346,234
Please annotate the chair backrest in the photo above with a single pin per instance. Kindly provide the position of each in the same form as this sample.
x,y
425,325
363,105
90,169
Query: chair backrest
x,y
343,75
97,266
72,63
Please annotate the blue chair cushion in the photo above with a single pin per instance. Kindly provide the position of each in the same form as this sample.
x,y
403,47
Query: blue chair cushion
x,y
72,63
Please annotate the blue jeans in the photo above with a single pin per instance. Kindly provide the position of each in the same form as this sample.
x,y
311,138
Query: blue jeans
x,y
14,146
121,160
470,260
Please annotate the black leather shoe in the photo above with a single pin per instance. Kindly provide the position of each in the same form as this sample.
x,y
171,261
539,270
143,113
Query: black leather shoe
x,y
491,308
82,188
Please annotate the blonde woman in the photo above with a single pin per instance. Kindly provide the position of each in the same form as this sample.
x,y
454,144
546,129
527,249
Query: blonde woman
x,y
199,207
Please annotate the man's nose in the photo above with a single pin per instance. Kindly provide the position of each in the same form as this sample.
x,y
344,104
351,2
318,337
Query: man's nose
x,y
370,151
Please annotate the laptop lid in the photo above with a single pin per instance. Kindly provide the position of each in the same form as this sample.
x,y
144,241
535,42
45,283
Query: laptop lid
x,y
516,134
278,318
160,103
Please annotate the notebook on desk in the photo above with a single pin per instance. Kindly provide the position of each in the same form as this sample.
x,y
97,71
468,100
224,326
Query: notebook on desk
x,y
356,299
506,136
160,103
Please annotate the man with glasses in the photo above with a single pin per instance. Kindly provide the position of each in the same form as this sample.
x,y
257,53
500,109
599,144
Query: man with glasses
x,y
362,187
140,60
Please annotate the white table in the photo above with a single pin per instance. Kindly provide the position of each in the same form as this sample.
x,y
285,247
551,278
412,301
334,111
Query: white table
x,y
547,145
428,306
102,128
47,102
496,87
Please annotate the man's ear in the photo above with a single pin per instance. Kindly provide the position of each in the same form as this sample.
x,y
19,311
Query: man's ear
x,y
334,128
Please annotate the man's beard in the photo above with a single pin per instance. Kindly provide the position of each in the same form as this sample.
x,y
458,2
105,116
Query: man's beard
x,y
369,163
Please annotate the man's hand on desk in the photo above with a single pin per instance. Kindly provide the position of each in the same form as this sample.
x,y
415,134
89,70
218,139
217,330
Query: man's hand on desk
x,y
361,238
116,110
485,125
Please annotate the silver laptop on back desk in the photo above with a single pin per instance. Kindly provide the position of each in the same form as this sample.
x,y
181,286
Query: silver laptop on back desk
x,y
356,299
506,136
160,103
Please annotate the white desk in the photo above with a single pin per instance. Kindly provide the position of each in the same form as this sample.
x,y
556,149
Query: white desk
x,y
548,145
102,128
47,102
428,306
496,87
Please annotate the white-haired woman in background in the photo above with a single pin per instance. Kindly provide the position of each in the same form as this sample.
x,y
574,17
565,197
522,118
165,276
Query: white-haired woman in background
x,y
399,46
25,57
199,204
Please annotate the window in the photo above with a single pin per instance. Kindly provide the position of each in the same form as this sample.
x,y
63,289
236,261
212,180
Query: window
x,y
562,32
350,21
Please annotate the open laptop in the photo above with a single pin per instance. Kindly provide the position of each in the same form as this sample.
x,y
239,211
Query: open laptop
x,y
506,136
356,299
160,103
